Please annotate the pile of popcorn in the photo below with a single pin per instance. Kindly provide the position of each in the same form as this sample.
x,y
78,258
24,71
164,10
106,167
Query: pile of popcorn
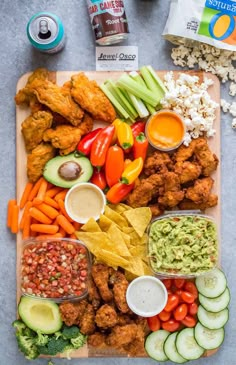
x,y
190,98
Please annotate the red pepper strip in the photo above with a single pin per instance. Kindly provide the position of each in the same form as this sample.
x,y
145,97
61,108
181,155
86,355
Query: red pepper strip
x,y
101,145
85,144
137,128
118,192
140,146
98,178
114,165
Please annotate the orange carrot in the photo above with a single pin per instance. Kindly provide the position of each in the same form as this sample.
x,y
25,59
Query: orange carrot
x,y
28,205
48,236
26,228
61,195
11,204
62,231
15,216
52,192
35,189
44,228
50,212
42,191
26,193
63,210
51,202
41,217
65,224
77,226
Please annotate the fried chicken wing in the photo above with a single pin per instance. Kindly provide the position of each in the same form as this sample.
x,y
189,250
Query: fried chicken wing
x,y
106,316
136,347
205,157
100,274
171,181
97,340
87,322
190,205
119,291
91,98
185,152
171,198
200,191
37,159
33,128
158,162
64,136
156,210
122,335
93,294
187,171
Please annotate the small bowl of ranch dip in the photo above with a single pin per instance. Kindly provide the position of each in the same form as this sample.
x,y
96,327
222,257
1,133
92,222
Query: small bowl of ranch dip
x,y
84,201
146,296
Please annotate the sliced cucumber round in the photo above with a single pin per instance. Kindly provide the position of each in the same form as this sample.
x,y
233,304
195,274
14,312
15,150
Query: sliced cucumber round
x,y
171,350
211,320
187,346
212,284
215,304
154,345
208,339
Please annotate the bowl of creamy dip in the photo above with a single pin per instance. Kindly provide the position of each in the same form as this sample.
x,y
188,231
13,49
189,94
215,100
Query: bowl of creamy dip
x,y
146,296
84,201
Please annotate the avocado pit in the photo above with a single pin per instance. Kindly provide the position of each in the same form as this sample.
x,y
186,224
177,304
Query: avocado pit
x,y
70,170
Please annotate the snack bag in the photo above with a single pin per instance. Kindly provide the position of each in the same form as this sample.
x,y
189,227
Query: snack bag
x,y
207,21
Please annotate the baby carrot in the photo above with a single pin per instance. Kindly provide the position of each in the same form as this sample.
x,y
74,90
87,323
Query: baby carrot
x,y
51,202
61,195
62,231
48,236
50,212
25,195
14,222
41,217
11,204
44,228
42,191
63,210
26,228
28,205
65,224
35,189
52,192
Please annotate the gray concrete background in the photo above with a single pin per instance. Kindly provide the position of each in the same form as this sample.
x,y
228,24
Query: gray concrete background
x,y
146,20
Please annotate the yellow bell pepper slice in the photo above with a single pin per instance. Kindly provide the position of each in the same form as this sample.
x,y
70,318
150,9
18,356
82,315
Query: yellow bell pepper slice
x,y
125,135
132,171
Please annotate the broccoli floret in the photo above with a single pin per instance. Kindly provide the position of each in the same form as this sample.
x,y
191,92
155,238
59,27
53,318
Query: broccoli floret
x,y
54,346
57,334
78,341
41,339
70,332
27,346
67,350
19,326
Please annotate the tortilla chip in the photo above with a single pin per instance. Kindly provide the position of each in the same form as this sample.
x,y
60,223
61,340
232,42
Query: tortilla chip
x,y
119,208
138,251
115,217
127,230
117,240
139,218
135,266
104,223
111,259
91,226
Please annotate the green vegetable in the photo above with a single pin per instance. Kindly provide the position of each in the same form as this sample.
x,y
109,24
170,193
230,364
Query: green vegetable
x,y
54,346
78,341
70,332
27,345
122,112
140,80
41,340
19,326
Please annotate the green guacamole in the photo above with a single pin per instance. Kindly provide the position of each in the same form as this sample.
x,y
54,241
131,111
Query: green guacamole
x,y
183,245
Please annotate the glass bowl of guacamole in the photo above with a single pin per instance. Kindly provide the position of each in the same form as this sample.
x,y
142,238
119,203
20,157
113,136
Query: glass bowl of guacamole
x,y
182,245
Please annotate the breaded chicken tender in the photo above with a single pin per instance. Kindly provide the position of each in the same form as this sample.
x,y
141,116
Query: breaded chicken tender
x,y
122,335
91,98
37,159
106,316
205,157
119,291
34,127
190,205
87,322
100,274
93,295
97,340
172,190
136,347
200,191
187,171
158,162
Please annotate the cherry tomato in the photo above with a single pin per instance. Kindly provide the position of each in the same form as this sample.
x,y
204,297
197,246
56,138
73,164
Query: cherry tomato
x,y
172,325
164,316
179,292
191,288
172,302
167,283
187,297
179,283
154,323
180,312
193,308
189,321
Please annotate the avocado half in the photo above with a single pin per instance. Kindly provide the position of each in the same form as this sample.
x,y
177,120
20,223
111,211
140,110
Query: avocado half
x,y
66,171
40,314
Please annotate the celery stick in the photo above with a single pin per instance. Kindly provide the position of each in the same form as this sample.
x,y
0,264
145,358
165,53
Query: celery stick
x,y
137,77
114,101
126,82
139,106
157,78
151,83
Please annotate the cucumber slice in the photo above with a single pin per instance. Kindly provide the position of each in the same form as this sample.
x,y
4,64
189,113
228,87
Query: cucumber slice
x,y
171,350
213,284
211,320
154,345
208,339
187,346
215,304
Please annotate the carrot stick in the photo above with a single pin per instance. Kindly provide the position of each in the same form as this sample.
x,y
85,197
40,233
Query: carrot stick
x,y
61,195
62,231
35,189
65,224
51,202
52,192
77,226
41,217
28,205
26,228
50,212
63,210
11,204
44,228
15,216
42,191
48,236
26,193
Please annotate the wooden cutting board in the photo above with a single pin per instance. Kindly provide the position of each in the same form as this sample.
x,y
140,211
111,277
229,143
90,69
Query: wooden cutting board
x,y
21,177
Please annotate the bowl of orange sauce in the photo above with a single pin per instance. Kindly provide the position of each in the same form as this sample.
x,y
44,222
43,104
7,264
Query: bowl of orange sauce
x,y
165,130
